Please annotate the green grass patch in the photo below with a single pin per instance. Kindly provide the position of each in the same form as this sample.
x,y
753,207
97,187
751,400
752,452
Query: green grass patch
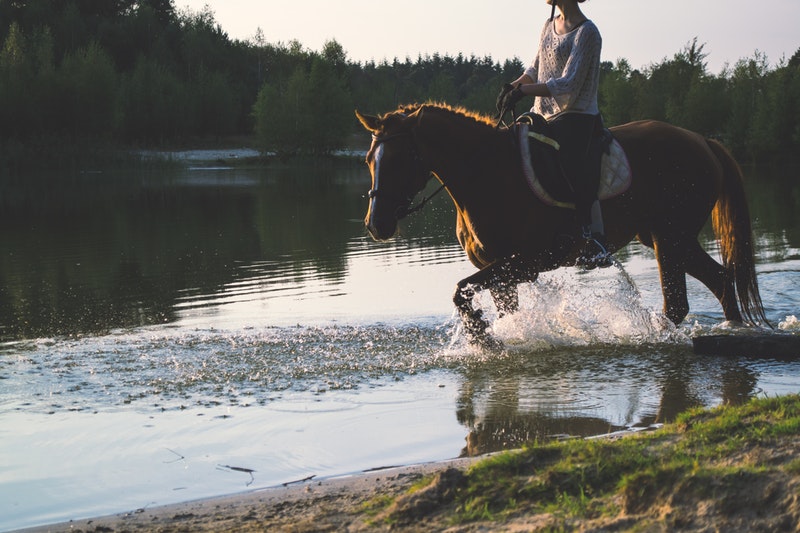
x,y
376,505
793,467
586,479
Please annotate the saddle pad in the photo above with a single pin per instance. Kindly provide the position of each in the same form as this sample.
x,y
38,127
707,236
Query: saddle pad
x,y
615,172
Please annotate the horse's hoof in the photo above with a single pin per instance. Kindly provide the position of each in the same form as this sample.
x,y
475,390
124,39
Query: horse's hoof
x,y
486,342
475,330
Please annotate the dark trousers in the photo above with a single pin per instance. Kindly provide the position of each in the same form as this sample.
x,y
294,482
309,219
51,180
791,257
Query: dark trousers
x,y
580,158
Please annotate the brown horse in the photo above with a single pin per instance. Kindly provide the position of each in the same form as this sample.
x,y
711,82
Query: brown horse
x,y
679,179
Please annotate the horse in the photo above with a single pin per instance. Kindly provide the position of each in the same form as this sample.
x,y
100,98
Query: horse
x,y
680,178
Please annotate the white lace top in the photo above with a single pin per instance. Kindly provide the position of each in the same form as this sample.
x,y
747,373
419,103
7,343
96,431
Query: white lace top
x,y
570,66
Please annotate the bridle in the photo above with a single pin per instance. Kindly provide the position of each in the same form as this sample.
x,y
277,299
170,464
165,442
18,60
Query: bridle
x,y
404,209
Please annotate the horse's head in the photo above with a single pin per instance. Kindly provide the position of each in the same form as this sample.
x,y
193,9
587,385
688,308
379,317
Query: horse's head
x,y
398,173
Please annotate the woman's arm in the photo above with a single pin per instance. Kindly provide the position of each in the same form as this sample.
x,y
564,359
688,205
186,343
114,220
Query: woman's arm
x,y
535,89
529,87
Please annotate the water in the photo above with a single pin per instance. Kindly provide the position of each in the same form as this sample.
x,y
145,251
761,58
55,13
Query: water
x,y
167,336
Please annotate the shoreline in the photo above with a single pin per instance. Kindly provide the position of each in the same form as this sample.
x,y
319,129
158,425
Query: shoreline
x,y
350,492
275,506
730,468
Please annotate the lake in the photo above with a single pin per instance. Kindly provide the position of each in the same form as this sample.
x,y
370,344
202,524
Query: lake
x,y
181,333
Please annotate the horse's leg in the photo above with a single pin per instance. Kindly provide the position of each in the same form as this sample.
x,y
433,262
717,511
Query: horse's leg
x,y
501,278
672,270
505,297
472,319
710,273
504,288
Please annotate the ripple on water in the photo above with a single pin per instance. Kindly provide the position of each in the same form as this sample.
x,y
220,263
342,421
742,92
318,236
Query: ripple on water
x,y
176,368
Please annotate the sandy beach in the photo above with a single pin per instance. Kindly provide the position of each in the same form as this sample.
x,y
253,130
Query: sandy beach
x,y
332,504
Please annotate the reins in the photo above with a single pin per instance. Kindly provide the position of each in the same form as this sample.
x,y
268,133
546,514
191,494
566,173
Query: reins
x,y
501,118
421,204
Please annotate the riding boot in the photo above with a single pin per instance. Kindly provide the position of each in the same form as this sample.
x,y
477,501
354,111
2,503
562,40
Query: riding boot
x,y
594,253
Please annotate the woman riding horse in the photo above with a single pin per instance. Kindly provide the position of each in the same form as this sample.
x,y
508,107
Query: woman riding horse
x,y
564,77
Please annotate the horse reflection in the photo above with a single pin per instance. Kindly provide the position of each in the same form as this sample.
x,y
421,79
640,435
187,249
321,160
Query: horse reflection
x,y
572,394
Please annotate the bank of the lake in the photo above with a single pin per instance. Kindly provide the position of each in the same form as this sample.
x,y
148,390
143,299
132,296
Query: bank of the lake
x,y
722,469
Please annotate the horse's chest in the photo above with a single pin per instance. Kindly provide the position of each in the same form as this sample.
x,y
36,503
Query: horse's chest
x,y
471,243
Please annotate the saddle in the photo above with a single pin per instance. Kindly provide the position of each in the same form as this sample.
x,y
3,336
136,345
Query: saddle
x,y
539,152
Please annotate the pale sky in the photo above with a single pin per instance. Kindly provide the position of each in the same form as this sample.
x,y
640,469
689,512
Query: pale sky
x,y
642,31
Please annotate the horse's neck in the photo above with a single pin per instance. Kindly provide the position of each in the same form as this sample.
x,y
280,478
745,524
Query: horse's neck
x,y
458,158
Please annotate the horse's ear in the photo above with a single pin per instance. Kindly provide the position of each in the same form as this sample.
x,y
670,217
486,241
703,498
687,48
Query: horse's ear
x,y
370,122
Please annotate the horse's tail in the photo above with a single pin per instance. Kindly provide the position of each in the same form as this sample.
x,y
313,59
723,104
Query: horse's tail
x,y
731,222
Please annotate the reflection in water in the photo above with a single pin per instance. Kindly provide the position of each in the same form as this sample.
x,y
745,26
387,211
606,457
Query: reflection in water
x,y
120,252
592,391
138,306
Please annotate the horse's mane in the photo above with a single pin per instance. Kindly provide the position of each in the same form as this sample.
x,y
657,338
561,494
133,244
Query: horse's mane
x,y
457,112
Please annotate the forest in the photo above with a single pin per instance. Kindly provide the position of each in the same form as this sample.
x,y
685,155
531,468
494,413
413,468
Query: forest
x,y
103,74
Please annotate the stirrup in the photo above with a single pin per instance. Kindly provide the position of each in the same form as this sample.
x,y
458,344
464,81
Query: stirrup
x,y
594,253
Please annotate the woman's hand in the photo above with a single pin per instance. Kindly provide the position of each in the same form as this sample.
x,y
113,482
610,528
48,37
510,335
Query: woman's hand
x,y
509,96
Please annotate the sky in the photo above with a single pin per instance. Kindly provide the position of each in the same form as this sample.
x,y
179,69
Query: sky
x,y
642,31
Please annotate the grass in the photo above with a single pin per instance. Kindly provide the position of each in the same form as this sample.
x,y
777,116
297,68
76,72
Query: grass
x,y
718,456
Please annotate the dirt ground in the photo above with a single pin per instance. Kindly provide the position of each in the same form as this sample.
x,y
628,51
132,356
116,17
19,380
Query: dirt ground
x,y
335,504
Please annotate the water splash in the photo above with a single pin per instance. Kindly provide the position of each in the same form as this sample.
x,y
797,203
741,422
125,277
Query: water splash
x,y
791,324
572,308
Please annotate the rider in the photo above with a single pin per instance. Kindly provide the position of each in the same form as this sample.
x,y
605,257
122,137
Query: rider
x,y
564,78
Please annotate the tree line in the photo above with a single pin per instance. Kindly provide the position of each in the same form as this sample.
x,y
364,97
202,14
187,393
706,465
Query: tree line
x,y
141,73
